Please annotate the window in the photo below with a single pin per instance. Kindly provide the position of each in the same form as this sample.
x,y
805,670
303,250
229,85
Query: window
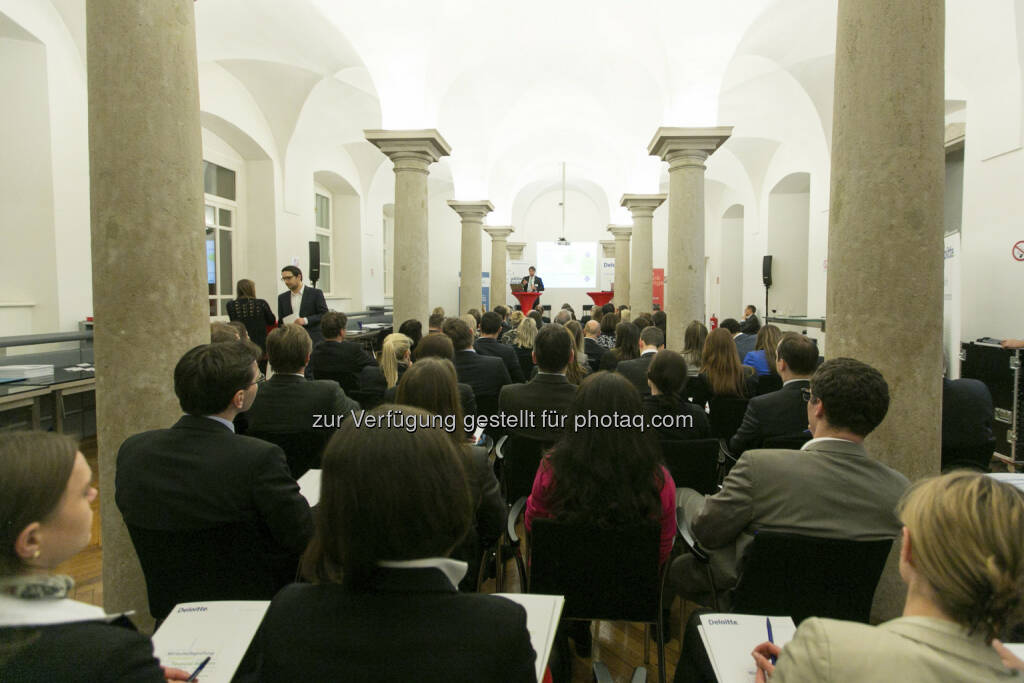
x,y
389,249
322,211
220,208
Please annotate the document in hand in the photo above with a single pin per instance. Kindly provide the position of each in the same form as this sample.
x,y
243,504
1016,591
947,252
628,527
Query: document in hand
x,y
542,614
730,638
309,486
221,631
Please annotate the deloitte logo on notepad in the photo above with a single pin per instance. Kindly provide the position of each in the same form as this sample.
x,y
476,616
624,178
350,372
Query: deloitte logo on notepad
x,y
716,622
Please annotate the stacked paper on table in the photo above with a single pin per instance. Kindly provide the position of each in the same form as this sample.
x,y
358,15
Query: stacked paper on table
x,y
309,486
219,630
542,615
730,638
25,371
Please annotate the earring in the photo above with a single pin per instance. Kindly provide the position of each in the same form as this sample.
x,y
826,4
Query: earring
x,y
35,555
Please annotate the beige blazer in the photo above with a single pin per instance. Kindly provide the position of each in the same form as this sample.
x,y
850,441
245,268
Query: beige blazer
x,y
904,650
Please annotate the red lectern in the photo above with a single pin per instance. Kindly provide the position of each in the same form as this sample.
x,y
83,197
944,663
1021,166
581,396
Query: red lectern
x,y
601,298
526,299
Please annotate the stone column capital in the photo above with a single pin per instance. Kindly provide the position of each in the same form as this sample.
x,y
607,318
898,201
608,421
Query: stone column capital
x,y
471,211
410,150
621,232
499,233
684,147
642,205
607,248
515,250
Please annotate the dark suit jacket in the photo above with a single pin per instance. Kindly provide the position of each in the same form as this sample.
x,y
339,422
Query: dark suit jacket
x,y
751,325
745,343
80,652
594,353
198,475
340,361
543,392
779,413
288,403
312,308
536,280
485,374
967,413
525,358
373,386
327,633
636,372
486,346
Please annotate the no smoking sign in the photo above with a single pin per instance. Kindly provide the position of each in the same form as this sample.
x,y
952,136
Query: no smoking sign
x,y
1018,251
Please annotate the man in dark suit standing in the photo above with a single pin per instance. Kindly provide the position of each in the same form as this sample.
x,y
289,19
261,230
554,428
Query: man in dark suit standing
x,y
485,374
488,345
782,412
200,475
306,303
594,350
750,324
549,393
652,340
337,359
532,283
744,342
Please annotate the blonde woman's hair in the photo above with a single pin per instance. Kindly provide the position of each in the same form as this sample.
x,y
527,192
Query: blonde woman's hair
x,y
470,320
625,315
438,310
393,351
514,318
966,530
526,333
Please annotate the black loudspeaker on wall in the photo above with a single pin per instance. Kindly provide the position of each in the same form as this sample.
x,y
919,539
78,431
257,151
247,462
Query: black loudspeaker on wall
x,y
766,270
314,261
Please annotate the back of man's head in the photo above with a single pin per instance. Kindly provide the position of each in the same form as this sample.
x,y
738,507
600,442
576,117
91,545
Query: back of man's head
x,y
799,352
208,376
490,323
652,336
434,345
502,311
332,324
608,308
553,347
288,348
592,328
537,317
459,332
730,324
854,395
435,321
222,332
562,317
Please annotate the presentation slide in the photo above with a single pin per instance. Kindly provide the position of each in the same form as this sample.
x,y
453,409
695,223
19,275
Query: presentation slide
x,y
574,265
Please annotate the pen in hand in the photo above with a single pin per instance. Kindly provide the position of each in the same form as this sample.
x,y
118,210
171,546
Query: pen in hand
x,y
768,623
206,661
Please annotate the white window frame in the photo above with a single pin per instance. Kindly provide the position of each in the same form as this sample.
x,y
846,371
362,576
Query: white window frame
x,y
227,289
328,232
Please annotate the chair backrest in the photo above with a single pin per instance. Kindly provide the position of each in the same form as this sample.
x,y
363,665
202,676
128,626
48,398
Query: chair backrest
x,y
726,414
791,441
805,576
766,384
977,458
604,573
519,466
302,449
228,562
692,463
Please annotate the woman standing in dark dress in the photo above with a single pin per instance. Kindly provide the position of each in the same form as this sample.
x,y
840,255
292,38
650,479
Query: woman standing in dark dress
x,y
255,314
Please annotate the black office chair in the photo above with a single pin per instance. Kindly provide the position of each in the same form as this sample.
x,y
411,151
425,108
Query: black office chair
x,y
604,573
228,562
766,384
726,415
789,441
518,458
302,449
692,463
977,458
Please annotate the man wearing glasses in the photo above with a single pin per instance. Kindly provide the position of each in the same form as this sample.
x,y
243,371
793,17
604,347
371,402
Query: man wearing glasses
x,y
300,304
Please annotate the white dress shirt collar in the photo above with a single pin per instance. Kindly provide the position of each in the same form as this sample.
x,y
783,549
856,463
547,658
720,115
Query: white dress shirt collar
x,y
454,570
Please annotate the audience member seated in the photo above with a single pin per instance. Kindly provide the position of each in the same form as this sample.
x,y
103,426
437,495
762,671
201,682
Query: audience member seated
x,y
562,317
222,332
660,320
46,636
833,490
374,380
254,313
750,324
578,369
666,379
502,311
693,347
288,402
488,345
549,391
198,475
762,358
485,374
526,335
413,329
967,414
651,342
609,321
643,321
593,349
962,562
383,604
744,342
627,346
430,384
471,322
782,412
510,327
721,373
440,346
435,321
337,359
538,317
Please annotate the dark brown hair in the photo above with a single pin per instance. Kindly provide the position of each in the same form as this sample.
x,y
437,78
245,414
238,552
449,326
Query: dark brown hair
x,y
288,348
459,332
332,323
667,371
246,289
208,376
431,384
434,345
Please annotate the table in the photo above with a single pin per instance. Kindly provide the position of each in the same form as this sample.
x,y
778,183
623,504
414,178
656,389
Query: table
x,y
526,300
601,298
28,393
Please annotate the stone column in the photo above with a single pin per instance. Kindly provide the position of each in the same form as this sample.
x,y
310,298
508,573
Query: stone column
x,y
515,250
885,224
412,152
146,195
621,233
471,283
685,150
641,289
607,248
499,264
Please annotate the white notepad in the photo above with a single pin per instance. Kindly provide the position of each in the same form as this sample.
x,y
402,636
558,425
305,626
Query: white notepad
x,y
1011,478
542,615
220,630
730,638
309,486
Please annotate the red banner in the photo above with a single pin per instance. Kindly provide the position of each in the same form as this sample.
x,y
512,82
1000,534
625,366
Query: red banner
x,y
659,287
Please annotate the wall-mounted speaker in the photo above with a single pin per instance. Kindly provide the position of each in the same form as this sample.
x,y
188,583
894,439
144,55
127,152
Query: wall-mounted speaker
x,y
314,261
766,270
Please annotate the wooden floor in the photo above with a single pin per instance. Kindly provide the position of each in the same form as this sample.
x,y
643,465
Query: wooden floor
x,y
619,646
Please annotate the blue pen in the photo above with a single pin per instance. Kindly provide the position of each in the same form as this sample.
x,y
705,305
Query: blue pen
x,y
768,623
206,661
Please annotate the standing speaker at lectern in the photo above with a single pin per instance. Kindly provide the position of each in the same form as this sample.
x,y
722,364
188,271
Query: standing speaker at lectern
x,y
532,283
